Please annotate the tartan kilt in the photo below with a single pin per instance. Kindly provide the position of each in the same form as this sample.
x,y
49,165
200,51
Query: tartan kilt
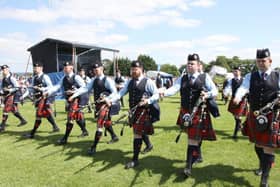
x,y
74,111
43,108
9,105
142,122
269,137
198,131
103,116
238,110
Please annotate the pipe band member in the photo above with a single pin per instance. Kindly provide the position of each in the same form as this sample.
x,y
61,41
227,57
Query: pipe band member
x,y
262,128
192,86
70,82
40,84
103,88
8,89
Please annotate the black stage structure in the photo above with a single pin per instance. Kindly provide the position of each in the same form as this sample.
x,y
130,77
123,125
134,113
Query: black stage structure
x,y
53,53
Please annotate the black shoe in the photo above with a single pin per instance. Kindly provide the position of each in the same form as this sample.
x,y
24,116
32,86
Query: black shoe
x,y
258,172
29,135
92,151
55,129
147,149
113,140
234,137
62,141
187,172
84,133
131,164
22,123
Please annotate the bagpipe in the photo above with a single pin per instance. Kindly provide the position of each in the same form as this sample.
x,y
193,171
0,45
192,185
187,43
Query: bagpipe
x,y
187,118
101,103
130,117
104,110
114,108
262,113
70,91
12,91
6,91
40,101
83,99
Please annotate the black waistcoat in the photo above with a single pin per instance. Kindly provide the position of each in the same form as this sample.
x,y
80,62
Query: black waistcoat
x,y
262,91
235,85
69,83
136,91
38,81
7,83
99,87
191,92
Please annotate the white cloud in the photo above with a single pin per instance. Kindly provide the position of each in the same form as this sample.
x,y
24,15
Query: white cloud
x,y
13,50
219,39
203,3
41,15
176,51
134,14
181,22
115,39
85,33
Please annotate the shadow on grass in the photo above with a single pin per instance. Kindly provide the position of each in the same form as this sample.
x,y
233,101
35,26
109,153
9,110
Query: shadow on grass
x,y
167,127
225,135
156,165
51,139
218,172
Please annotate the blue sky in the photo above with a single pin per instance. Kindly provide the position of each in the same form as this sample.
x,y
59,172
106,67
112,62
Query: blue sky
x,y
166,30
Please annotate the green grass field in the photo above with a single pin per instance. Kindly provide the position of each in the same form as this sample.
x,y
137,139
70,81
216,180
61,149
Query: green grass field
x,y
40,162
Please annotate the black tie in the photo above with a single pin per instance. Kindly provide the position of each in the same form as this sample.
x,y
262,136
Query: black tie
x,y
263,75
135,82
191,77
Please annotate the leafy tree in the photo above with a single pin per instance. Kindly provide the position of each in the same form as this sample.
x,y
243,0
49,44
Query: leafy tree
x,y
172,69
123,64
221,61
148,62
182,68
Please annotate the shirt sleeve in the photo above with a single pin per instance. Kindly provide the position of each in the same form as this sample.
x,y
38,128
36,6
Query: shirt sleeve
x,y
84,88
212,90
110,84
152,88
121,93
173,89
56,87
244,88
47,81
79,80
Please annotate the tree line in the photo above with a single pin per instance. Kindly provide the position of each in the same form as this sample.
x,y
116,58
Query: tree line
x,y
123,64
